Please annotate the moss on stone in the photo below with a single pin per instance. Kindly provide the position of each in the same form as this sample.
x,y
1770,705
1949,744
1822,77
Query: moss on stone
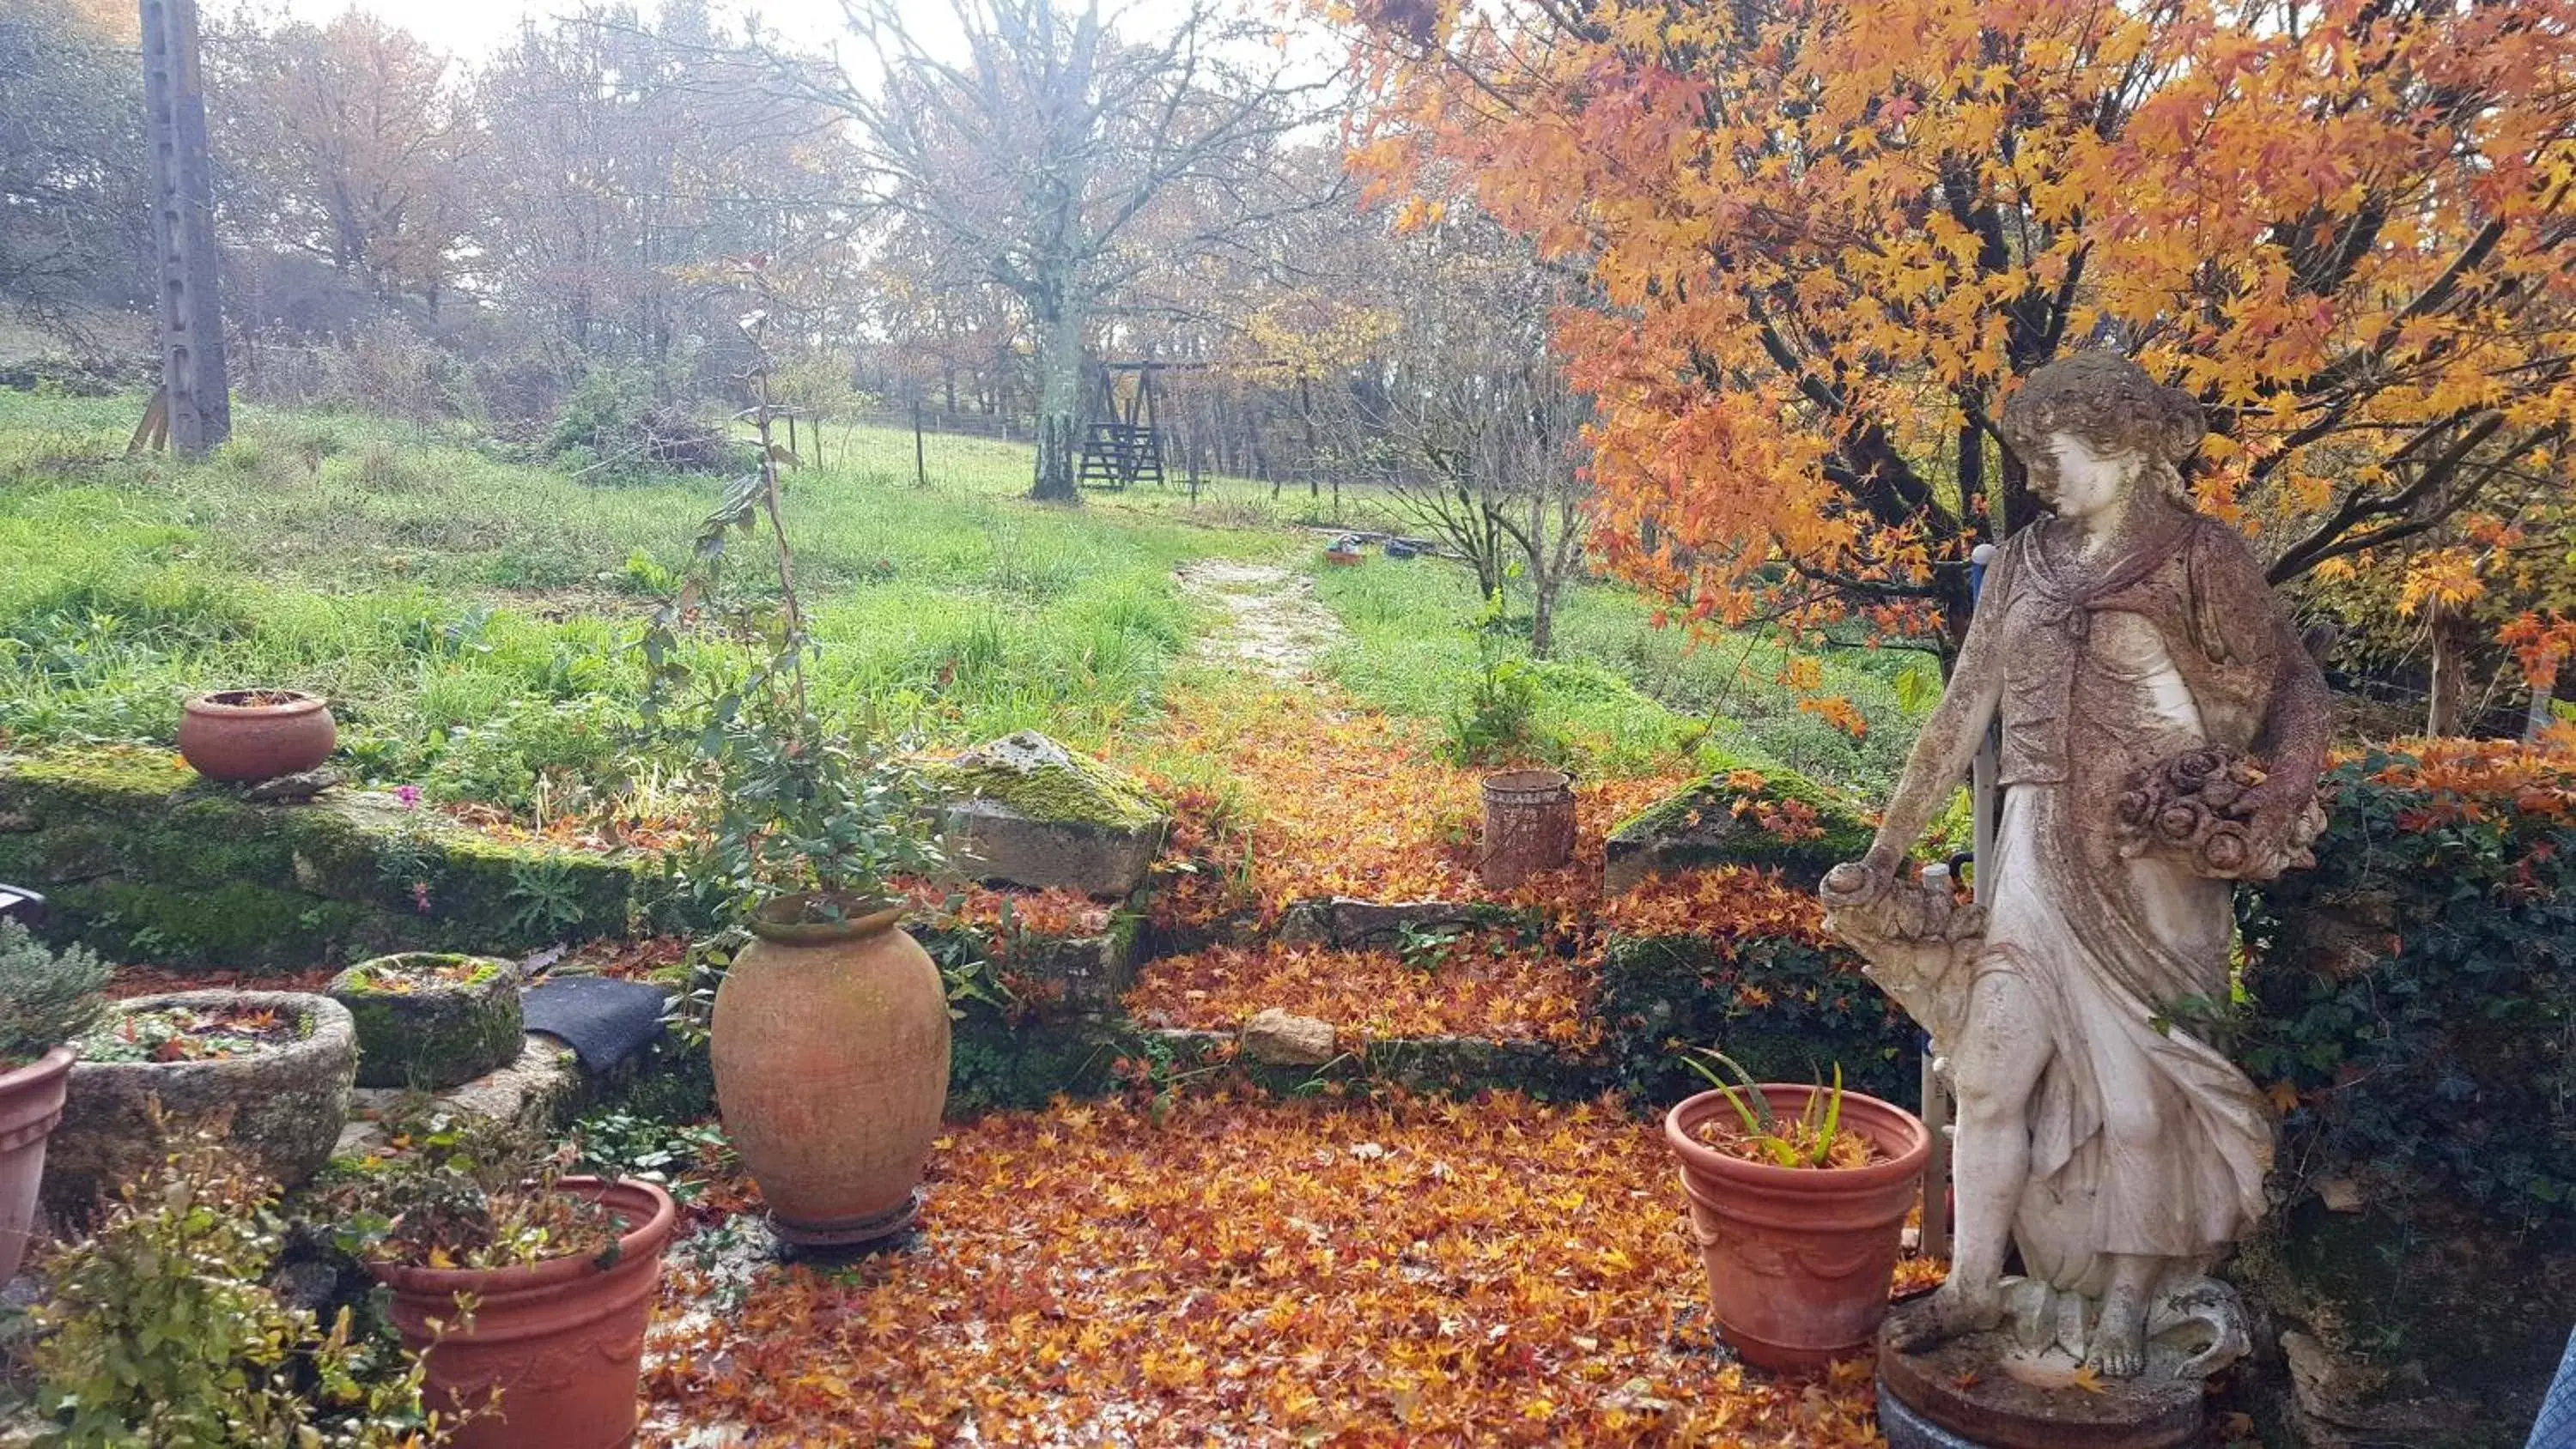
x,y
437,1036
237,925
1846,832
1062,787
67,783
161,867
996,1065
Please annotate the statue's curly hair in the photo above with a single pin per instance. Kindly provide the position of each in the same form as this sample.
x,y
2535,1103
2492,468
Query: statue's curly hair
x,y
2114,406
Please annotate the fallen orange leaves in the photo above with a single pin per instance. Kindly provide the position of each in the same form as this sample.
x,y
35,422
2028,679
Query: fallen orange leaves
x,y
1338,800
1520,995
1327,799
1390,1272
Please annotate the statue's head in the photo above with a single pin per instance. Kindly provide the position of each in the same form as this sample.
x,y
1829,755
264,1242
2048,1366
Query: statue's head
x,y
2092,426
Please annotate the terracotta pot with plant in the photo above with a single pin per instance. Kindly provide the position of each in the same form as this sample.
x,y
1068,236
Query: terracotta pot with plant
x,y
525,1292
245,735
829,1033
1798,1198
48,999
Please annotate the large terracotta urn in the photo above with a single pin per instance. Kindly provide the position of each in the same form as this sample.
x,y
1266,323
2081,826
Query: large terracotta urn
x,y
831,1063
1799,1258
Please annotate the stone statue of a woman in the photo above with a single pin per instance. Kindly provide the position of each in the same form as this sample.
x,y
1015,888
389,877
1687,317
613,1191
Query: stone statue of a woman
x,y
2163,734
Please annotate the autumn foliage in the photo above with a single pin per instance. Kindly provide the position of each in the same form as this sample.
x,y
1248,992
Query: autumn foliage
x,y
1325,799
1827,239
1395,1272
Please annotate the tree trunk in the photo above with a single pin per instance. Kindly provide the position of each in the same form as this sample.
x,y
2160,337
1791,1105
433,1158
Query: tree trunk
x,y
1543,589
2450,704
1059,403
2544,694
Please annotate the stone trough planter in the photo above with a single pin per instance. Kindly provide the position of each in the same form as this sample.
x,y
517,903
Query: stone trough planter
x,y
431,1020
280,1101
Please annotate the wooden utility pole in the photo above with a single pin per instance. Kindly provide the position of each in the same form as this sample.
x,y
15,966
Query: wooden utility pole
x,y
197,397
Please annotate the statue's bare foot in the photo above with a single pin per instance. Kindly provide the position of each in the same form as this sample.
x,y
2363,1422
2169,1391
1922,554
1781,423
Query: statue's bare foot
x,y
1951,1312
2119,1347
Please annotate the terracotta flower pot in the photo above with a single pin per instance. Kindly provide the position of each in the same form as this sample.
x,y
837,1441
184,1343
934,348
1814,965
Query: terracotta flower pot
x,y
31,1102
830,1045
243,735
562,1340
1799,1259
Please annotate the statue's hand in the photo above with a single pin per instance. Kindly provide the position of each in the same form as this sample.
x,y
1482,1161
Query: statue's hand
x,y
2283,819
1855,884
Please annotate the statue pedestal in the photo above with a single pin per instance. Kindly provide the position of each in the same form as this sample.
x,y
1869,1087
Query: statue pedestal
x,y
1986,1392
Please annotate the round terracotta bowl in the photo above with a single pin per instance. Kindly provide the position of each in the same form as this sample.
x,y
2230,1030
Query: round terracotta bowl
x,y
246,735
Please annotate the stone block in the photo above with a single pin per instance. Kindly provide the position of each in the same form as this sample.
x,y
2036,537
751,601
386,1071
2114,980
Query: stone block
x,y
1093,972
1024,810
537,1092
1345,923
1283,1039
1764,819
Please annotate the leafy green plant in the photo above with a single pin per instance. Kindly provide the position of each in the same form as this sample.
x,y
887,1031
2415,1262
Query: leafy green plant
x,y
1426,948
544,895
618,1143
1809,1141
161,1329
461,1191
47,997
967,971
799,811
1494,721
2413,997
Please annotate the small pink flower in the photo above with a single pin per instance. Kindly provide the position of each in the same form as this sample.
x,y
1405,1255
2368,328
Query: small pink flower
x,y
409,795
420,896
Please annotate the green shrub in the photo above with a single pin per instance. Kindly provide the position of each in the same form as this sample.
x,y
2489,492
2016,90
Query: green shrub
x,y
1492,724
613,427
2416,992
162,1330
1789,1011
574,748
47,998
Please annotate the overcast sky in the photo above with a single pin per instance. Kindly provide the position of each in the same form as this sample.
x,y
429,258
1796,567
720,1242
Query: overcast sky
x,y
474,28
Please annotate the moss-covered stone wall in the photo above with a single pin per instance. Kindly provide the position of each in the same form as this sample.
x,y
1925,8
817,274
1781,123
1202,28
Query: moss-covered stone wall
x,y
140,857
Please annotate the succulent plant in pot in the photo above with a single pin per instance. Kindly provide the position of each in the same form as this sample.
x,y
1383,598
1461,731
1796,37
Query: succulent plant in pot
x,y
1797,1196
48,1000
829,1034
525,1291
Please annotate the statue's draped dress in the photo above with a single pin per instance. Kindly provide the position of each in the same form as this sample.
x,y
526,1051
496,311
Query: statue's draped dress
x,y
2144,1139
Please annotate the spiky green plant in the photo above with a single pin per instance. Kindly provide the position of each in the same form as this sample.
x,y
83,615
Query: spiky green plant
x,y
1808,1142
47,997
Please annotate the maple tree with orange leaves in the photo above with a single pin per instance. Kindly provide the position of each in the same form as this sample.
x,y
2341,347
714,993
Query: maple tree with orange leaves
x,y
1829,238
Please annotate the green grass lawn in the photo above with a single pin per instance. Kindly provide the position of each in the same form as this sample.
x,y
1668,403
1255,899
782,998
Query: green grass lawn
x,y
1621,696
469,615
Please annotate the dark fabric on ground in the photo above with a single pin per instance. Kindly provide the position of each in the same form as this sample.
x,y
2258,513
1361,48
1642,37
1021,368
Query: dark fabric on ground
x,y
604,1021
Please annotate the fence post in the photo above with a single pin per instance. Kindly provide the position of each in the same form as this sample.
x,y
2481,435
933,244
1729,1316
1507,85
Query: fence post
x,y
1936,1098
920,460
